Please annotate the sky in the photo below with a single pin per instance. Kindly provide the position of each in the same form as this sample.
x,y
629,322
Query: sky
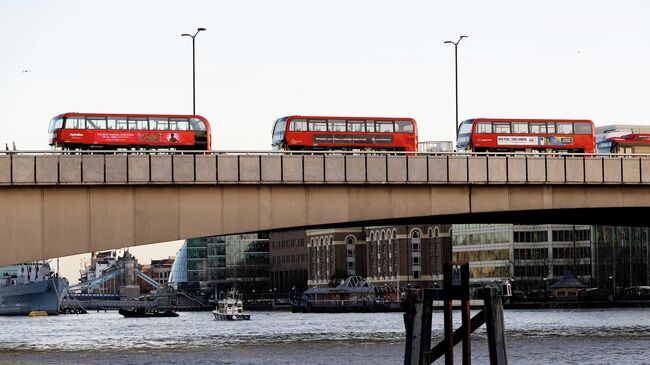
x,y
260,60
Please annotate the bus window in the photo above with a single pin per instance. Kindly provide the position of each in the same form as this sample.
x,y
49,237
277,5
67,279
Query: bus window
x,y
117,123
197,124
356,126
138,124
158,124
179,124
297,125
111,123
75,123
96,122
404,126
521,128
582,128
277,135
481,127
370,126
550,127
537,127
56,123
564,128
385,126
466,126
501,127
336,125
318,126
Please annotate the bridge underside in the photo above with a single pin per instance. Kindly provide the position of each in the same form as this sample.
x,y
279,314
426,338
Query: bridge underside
x,y
53,221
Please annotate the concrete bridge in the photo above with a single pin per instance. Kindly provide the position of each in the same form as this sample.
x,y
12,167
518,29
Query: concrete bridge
x,y
56,204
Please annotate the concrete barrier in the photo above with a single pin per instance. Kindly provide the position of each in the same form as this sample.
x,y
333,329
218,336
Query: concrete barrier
x,y
93,168
271,168
335,169
376,166
47,169
116,170
292,169
314,167
355,168
183,168
139,169
206,168
249,168
70,169
228,168
396,168
161,168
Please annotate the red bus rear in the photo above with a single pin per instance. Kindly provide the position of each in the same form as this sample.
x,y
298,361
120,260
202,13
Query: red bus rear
x,y
526,135
629,143
345,133
126,131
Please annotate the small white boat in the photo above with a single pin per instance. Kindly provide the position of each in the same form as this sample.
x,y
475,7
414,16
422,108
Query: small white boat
x,y
230,308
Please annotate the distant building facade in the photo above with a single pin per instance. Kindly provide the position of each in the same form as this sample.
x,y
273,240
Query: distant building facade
x,y
221,263
533,256
100,264
436,146
621,257
334,254
159,270
407,254
288,254
387,256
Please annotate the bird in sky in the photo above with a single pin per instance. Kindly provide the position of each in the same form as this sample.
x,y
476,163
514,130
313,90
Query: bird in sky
x,y
25,71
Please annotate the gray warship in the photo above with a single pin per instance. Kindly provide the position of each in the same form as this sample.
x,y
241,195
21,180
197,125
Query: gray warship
x,y
30,287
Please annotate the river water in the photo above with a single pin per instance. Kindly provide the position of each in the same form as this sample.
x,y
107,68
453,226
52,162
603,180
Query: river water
x,y
607,336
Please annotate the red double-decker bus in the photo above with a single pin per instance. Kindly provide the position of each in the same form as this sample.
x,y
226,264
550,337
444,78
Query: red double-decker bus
x,y
629,143
299,132
527,135
128,131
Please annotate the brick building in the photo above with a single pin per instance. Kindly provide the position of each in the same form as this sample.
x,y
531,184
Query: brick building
x,y
288,256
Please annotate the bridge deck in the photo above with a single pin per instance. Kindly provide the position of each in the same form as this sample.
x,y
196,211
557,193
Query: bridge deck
x,y
93,168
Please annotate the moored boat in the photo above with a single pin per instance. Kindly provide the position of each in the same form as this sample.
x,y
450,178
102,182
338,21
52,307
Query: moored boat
x,y
146,313
29,287
230,308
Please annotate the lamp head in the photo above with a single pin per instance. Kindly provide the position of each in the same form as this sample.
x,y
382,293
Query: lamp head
x,y
449,42
186,35
201,29
463,36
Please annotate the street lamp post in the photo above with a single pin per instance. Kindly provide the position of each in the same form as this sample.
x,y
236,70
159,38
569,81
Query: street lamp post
x,y
456,68
193,67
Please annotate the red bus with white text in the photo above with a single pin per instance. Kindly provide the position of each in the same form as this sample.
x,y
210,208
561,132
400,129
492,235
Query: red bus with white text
x,y
82,131
526,135
344,133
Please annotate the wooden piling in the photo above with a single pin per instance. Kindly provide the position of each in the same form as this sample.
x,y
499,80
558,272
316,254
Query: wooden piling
x,y
417,321
496,333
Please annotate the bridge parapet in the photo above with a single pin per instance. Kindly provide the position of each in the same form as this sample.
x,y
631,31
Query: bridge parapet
x,y
117,168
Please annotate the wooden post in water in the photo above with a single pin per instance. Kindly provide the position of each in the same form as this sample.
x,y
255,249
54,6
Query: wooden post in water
x,y
456,286
417,320
496,332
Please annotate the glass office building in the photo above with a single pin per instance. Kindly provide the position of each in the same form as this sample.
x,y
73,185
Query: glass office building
x,y
533,256
621,257
224,262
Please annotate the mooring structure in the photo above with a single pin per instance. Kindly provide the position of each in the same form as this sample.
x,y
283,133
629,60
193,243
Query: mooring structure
x,y
418,320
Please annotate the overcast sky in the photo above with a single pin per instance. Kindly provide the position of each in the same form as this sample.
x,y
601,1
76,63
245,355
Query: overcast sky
x,y
260,60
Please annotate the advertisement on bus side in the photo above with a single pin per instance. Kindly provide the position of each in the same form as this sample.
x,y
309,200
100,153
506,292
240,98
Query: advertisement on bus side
x,y
534,141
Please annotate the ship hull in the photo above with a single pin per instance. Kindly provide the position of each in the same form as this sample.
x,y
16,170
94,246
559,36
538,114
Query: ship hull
x,y
36,296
